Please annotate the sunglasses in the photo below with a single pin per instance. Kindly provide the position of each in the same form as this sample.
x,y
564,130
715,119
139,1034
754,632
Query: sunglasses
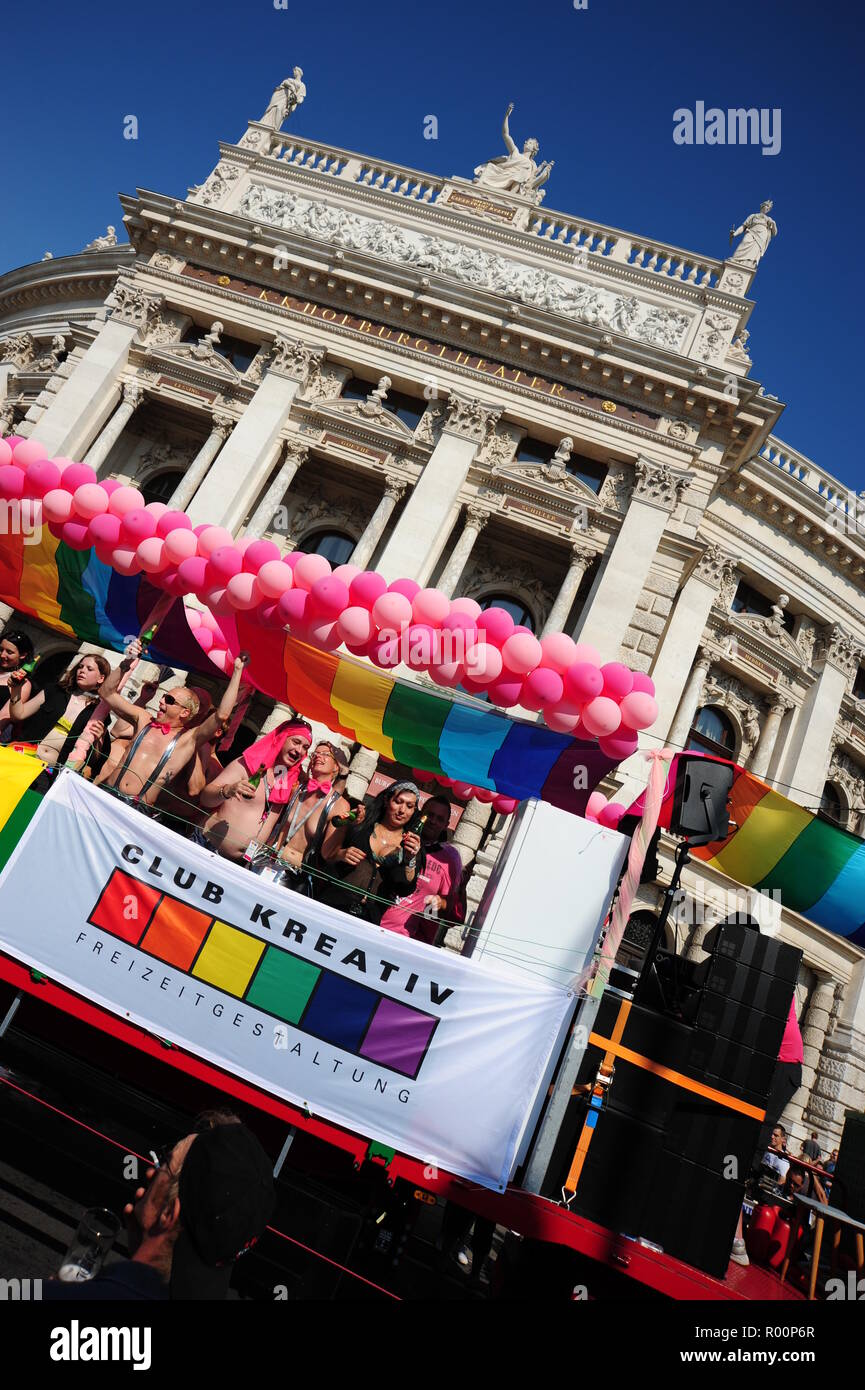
x,y
170,700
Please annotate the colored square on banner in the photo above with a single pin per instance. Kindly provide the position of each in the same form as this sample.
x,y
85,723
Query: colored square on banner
x,y
398,1037
228,958
176,932
339,1011
283,984
125,907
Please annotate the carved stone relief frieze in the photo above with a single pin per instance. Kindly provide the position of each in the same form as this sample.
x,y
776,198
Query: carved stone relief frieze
x,y
485,573
723,689
214,188
659,484
130,304
614,493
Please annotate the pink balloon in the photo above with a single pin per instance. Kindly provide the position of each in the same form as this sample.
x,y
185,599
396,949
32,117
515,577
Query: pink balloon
x,y
355,625
267,614
221,659
135,526
75,475
505,805
192,573
562,718
541,687
584,652
462,623
123,500
522,653
217,602
324,632
484,663
328,597
558,652
430,606
619,745
612,814
208,621
347,573
258,553
642,684
13,439
205,638
506,691
583,682
421,645
213,538
156,510
125,561
385,653
57,505
291,558
463,790
225,562
447,673
391,611
618,681
242,591
105,530
180,545
12,481
274,578
194,618
150,552
292,606
497,623
6,457
366,587
309,568
469,606
407,587
29,451
42,476
110,485
639,710
76,535
602,716
172,521
595,804
90,500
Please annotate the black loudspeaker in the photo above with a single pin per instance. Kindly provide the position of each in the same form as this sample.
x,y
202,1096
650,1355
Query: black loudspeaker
x,y
710,1136
618,1172
752,987
692,1214
848,1184
732,941
729,1019
700,797
722,1064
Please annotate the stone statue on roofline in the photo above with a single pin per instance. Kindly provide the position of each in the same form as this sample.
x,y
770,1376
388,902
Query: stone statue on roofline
x,y
285,100
758,230
517,171
103,243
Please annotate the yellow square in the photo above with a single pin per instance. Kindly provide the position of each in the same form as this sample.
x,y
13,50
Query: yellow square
x,y
228,958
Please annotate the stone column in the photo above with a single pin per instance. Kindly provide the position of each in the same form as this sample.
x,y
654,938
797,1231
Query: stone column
x,y
675,656
809,749
623,573
296,455
242,467
98,452
195,473
374,530
422,530
814,1026
470,830
762,755
582,556
87,397
360,772
476,519
690,702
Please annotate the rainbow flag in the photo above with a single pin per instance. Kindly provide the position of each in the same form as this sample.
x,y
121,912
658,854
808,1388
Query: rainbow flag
x,y
817,868
73,592
18,804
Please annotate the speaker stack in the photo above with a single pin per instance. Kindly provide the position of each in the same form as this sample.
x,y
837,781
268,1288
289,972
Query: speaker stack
x,y
669,1142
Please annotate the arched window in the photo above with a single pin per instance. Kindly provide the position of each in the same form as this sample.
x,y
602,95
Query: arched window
x,y
335,546
521,615
160,486
830,804
712,732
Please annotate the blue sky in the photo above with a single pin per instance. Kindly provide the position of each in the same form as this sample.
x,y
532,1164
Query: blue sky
x,y
597,87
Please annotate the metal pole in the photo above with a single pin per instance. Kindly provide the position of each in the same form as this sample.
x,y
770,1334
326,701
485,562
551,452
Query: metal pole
x,y
283,1153
542,1150
10,1013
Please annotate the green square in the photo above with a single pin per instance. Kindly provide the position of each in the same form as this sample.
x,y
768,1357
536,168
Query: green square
x,y
283,984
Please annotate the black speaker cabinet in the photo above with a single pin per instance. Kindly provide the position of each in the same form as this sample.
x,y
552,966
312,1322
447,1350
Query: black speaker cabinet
x,y
692,1213
733,941
700,797
752,987
717,1014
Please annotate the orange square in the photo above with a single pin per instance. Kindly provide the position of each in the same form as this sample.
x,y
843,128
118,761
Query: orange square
x,y
176,932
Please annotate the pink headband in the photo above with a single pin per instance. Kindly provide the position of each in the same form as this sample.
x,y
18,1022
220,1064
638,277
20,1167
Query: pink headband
x,y
266,752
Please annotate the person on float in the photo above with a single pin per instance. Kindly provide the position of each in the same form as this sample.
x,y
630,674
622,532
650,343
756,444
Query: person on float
x,y
246,798
306,836
438,892
15,649
57,713
163,746
378,858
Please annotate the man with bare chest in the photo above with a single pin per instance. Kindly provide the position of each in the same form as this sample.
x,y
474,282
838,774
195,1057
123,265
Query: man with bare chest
x,y
306,831
161,747
245,800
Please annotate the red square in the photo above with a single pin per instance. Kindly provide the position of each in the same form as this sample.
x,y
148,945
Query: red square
x,y
125,907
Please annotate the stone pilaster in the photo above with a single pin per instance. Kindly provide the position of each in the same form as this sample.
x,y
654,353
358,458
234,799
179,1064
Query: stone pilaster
x,y
470,830
809,749
814,1027
690,701
360,772
582,555
375,527
197,470
762,755
98,452
476,519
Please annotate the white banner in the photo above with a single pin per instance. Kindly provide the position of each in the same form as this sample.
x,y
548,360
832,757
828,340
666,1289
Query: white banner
x,y
436,1056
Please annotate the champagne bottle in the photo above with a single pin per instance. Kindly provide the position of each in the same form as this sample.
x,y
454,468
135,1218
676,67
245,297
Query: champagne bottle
x,y
30,666
340,821
257,776
148,636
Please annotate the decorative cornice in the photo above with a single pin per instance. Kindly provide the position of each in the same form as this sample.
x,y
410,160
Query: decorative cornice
x,y
293,358
715,567
130,304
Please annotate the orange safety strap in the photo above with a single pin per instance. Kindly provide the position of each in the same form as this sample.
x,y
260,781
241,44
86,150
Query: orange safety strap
x,y
594,1104
686,1082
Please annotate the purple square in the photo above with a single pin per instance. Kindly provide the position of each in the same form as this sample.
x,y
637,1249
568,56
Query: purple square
x,y
398,1037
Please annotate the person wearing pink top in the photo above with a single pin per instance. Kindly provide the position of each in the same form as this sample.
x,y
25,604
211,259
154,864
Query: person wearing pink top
x,y
439,893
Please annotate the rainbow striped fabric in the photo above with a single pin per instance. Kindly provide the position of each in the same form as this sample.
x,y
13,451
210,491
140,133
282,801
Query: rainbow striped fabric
x,y
817,868
73,592
18,804
420,726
